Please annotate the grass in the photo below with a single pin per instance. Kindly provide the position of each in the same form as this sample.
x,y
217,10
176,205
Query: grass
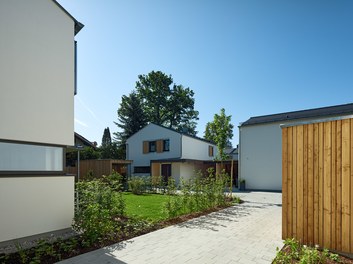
x,y
145,206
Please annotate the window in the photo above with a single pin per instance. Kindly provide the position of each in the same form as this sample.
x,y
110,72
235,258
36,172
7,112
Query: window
x,y
152,146
166,145
142,169
27,158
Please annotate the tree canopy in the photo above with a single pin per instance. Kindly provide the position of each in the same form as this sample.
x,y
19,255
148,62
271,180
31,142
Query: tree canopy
x,y
166,103
106,139
131,116
220,130
156,99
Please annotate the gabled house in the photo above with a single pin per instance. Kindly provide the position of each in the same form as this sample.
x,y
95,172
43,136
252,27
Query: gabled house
x,y
260,143
160,151
38,83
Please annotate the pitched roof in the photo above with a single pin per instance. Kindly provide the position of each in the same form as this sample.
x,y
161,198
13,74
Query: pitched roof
x,y
84,141
185,134
78,25
344,109
176,131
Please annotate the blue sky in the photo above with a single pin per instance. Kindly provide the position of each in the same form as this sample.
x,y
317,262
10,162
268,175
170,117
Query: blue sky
x,y
252,57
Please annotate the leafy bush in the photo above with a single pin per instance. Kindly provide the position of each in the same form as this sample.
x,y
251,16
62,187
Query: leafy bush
x,y
197,194
114,180
137,185
294,252
98,210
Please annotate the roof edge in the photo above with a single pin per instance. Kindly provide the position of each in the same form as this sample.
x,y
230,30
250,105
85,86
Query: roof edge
x,y
78,25
326,111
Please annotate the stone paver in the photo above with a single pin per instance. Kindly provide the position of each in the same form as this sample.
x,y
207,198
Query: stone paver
x,y
245,233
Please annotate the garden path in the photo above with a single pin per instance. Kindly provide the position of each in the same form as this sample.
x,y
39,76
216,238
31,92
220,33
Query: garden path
x,y
245,233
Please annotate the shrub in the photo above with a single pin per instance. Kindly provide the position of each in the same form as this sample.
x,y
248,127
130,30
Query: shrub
x,y
294,252
197,194
137,185
98,209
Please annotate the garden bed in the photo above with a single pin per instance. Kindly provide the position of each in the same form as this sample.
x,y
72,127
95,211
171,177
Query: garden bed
x,y
64,249
294,252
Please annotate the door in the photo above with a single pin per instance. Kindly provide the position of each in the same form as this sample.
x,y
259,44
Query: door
x,y
166,171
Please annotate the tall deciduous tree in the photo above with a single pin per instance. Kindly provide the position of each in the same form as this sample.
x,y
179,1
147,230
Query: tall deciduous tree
x,y
167,104
220,130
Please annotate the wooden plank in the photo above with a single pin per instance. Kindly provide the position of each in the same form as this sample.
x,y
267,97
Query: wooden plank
x,y
327,186
300,184
316,182
320,186
339,185
305,184
310,182
159,146
333,184
294,183
346,159
145,147
290,184
284,182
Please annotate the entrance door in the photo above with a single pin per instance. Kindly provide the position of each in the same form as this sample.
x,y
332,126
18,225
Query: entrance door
x,y
166,172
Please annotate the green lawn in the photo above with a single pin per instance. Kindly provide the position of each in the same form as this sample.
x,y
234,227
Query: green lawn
x,y
146,206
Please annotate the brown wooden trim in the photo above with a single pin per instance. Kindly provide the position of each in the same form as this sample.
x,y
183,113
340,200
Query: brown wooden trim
x,y
210,151
159,146
145,147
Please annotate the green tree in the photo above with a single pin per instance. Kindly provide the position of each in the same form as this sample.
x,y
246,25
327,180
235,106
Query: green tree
x,y
166,103
220,130
108,149
131,118
106,139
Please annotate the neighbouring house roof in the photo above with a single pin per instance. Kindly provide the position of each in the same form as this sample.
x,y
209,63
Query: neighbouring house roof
x,y
179,160
85,141
186,134
344,109
176,131
78,25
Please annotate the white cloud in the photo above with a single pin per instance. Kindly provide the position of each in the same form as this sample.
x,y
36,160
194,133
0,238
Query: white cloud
x,y
80,123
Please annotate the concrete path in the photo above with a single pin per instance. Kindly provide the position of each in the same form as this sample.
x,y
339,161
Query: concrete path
x,y
246,233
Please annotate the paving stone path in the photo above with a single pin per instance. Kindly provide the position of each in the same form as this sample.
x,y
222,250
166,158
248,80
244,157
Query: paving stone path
x,y
245,233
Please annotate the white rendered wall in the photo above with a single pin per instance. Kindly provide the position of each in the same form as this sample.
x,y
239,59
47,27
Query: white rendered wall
x,y
176,172
188,170
36,72
196,149
152,132
34,205
261,156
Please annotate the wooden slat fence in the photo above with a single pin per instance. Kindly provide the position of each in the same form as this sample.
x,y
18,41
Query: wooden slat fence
x,y
317,184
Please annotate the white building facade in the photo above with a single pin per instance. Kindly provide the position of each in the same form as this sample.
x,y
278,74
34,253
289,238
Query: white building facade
x,y
260,144
161,151
37,82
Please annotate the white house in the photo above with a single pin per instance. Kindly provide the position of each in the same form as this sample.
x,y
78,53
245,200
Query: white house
x,y
37,82
260,144
158,150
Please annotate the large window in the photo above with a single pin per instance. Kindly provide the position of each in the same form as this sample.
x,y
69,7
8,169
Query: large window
x,y
27,158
